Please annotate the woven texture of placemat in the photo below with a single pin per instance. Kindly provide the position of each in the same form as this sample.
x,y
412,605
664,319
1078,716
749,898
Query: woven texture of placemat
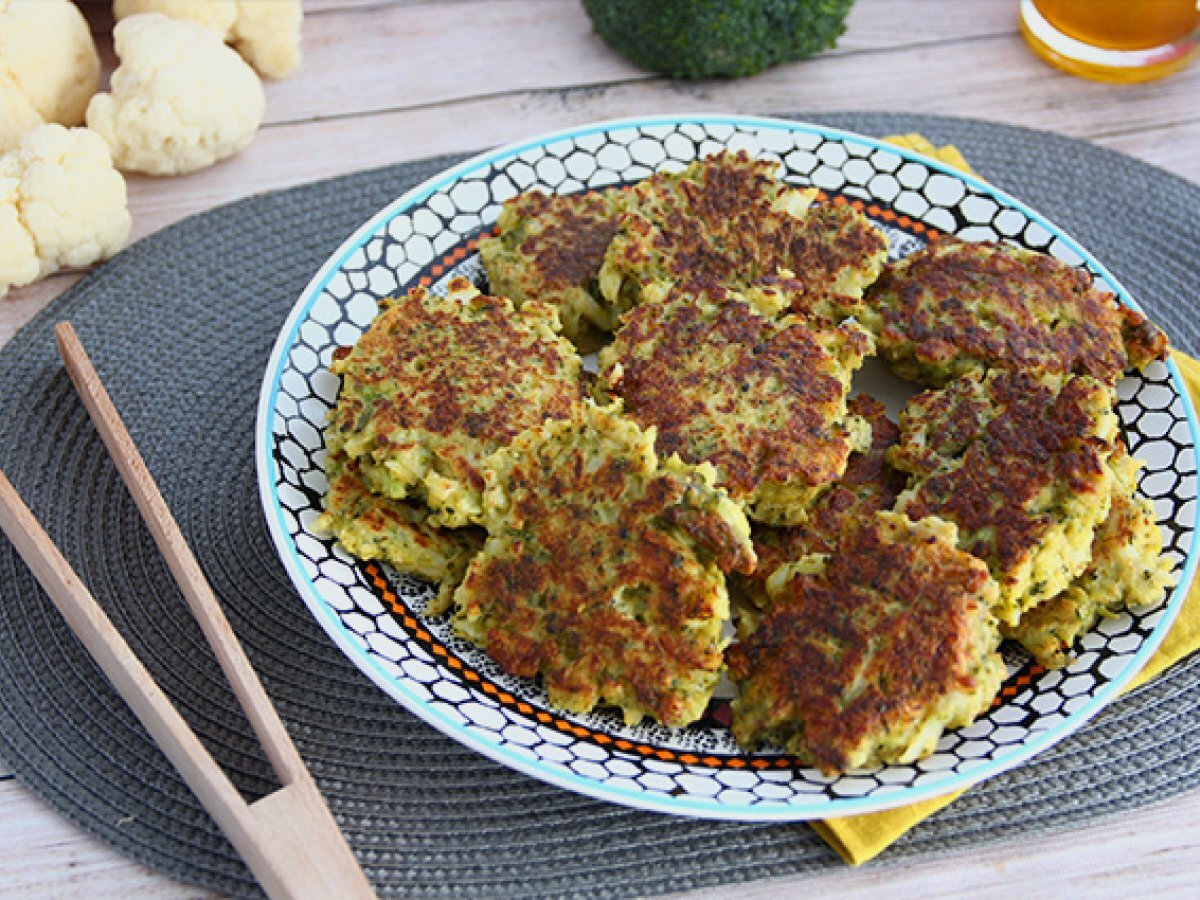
x,y
180,327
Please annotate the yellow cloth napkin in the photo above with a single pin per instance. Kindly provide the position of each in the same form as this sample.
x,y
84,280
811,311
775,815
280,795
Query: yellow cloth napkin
x,y
861,838
949,154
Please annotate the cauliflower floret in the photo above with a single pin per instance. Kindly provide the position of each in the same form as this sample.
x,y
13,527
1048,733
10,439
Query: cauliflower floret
x,y
18,255
61,204
215,15
17,114
265,32
181,100
49,67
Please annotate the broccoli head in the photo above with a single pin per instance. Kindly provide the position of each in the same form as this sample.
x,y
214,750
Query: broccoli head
x,y
702,38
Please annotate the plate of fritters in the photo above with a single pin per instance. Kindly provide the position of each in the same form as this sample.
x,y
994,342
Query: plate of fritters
x,y
730,467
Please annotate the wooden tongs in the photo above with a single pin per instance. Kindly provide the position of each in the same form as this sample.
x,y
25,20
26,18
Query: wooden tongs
x,y
288,838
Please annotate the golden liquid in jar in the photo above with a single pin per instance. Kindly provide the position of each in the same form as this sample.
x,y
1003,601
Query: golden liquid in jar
x,y
1122,24
1114,40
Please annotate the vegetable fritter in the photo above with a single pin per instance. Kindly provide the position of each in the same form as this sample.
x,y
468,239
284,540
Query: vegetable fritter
x,y
1018,462
1127,569
397,532
550,247
868,485
957,307
868,654
602,572
728,220
438,383
763,400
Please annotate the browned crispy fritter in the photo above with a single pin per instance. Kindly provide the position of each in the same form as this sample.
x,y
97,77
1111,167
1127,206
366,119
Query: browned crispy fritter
x,y
957,307
550,247
438,383
602,572
869,655
729,220
868,485
763,400
1018,461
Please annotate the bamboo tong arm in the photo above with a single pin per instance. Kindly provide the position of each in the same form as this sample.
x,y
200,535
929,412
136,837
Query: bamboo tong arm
x,y
289,838
186,570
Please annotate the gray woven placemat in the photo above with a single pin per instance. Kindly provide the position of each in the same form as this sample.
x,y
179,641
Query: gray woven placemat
x,y
180,327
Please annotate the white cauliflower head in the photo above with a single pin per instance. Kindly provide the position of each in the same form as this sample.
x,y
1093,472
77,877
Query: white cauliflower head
x,y
180,100
62,204
265,32
49,67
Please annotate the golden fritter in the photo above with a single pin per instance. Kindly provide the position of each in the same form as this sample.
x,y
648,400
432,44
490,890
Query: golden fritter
x,y
763,400
397,532
868,485
1018,461
729,220
957,307
549,247
1127,569
869,654
602,572
438,383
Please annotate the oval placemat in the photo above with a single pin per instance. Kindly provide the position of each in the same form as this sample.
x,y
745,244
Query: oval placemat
x,y
180,327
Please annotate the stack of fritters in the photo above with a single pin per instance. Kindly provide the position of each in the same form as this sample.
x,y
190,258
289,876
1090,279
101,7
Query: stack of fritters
x,y
870,484
399,532
434,387
1126,569
1020,446
1019,462
589,545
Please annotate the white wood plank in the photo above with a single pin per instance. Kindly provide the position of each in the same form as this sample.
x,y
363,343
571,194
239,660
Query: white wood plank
x,y
1018,90
1175,147
56,858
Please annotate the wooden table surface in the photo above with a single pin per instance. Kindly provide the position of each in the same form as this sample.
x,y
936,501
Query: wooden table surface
x,y
385,81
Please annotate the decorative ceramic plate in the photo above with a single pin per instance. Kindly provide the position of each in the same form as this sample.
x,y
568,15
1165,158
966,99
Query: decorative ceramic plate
x,y
377,616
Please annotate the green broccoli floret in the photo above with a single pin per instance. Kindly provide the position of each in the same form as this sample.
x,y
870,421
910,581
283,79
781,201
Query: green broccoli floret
x,y
701,38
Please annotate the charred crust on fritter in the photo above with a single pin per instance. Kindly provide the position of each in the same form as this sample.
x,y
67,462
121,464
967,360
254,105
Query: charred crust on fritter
x,y
571,249
602,575
1038,439
865,646
728,220
960,306
762,400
